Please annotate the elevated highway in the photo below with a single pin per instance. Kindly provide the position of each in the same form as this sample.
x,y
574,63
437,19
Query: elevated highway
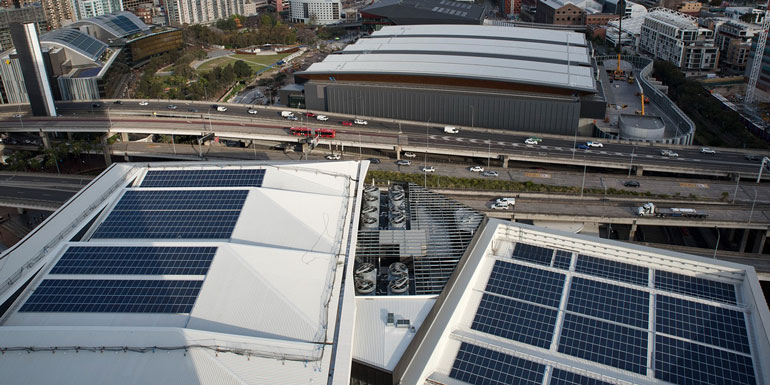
x,y
396,137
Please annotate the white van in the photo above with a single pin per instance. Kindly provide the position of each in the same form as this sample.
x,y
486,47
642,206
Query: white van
x,y
286,114
507,201
451,130
221,108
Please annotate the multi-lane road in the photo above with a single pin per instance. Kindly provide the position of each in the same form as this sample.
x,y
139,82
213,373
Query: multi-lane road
x,y
198,117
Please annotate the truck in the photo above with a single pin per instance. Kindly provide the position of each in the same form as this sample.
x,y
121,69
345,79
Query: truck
x,y
649,209
286,114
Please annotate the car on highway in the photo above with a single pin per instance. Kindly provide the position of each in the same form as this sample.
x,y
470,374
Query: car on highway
x,y
310,114
374,160
490,173
17,115
533,141
706,150
403,162
507,201
171,107
252,111
594,144
669,153
118,102
96,105
292,117
347,123
143,103
192,110
582,146
333,157
410,155
361,122
499,206
753,157
476,169
631,183
428,169
322,118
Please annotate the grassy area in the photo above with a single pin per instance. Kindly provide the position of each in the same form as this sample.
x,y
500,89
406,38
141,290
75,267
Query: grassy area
x,y
256,62
495,184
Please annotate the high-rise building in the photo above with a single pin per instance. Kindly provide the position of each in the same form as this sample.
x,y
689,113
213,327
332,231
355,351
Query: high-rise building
x,y
315,11
30,14
90,8
201,11
33,69
677,38
58,13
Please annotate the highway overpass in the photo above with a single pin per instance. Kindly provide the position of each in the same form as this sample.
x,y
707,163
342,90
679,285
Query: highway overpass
x,y
389,136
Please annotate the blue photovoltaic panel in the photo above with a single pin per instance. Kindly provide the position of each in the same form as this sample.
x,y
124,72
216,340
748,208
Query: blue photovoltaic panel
x,y
168,225
113,296
606,268
711,325
697,287
204,178
610,302
563,377
477,365
534,254
562,259
686,363
603,342
518,321
138,200
129,260
526,283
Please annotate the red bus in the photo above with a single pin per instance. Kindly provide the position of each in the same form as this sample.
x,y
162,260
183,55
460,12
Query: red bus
x,y
326,133
301,131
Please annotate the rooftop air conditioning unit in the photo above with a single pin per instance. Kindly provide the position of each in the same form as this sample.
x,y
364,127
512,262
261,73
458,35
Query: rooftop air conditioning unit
x,y
364,286
398,222
366,271
371,223
398,270
399,286
370,212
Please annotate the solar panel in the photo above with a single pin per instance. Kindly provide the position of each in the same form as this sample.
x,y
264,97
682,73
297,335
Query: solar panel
x,y
113,296
204,178
203,224
134,200
534,254
129,260
477,365
562,259
526,283
190,214
518,321
697,287
682,362
603,342
77,41
712,325
610,302
618,271
563,377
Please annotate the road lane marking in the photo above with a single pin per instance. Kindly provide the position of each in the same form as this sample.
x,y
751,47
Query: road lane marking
x,y
693,185
537,175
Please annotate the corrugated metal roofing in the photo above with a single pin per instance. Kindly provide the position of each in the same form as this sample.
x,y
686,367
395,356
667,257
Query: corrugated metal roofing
x,y
484,32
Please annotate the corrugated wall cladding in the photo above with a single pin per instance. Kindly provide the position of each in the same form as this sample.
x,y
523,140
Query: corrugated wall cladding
x,y
455,107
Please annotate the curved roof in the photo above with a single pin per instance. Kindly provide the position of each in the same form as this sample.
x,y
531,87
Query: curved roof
x,y
76,41
118,24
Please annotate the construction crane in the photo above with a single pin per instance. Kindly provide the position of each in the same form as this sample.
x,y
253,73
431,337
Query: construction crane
x,y
758,54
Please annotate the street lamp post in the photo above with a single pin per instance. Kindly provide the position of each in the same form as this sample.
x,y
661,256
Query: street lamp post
x,y
583,184
574,143
735,193
631,166
719,235
751,213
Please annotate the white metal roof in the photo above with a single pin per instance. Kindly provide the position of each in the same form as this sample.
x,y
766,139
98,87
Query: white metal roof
x,y
381,345
484,32
459,322
673,18
267,310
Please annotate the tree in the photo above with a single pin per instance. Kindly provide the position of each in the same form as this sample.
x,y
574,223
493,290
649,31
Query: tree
x,y
747,17
241,69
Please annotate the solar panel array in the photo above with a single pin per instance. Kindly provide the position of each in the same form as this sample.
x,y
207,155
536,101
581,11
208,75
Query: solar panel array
x,y
478,365
606,319
77,41
204,178
185,214
121,24
113,296
133,260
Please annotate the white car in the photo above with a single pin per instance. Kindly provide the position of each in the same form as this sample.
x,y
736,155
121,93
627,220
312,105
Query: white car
x,y
409,155
531,141
403,162
292,117
322,118
361,122
476,169
669,153
221,108
143,103
252,111
594,144
507,201
428,169
490,173
706,150
333,157
499,206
